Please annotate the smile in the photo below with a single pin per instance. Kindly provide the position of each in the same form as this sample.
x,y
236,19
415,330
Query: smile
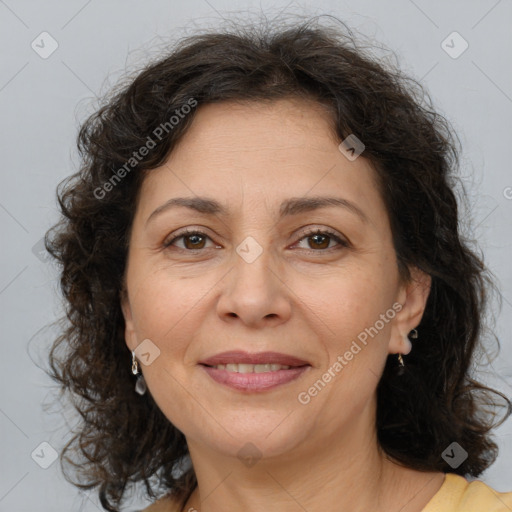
x,y
251,368
254,377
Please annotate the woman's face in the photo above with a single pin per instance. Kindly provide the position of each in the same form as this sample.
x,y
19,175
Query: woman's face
x,y
258,279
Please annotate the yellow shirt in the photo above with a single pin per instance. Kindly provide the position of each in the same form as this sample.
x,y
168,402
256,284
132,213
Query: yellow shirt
x,y
455,495
458,495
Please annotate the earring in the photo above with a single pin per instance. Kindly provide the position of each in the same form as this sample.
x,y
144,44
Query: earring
x,y
140,385
401,365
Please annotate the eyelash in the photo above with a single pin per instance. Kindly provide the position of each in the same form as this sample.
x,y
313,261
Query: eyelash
x,y
308,234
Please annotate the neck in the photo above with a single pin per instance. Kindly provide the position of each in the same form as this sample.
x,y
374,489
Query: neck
x,y
346,472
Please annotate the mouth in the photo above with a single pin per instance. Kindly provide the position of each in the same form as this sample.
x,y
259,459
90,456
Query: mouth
x,y
254,372
238,357
252,368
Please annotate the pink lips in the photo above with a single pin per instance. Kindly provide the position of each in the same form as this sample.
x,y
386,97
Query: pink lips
x,y
239,357
254,381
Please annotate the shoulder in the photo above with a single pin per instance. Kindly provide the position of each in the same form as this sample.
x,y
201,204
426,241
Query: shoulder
x,y
459,495
165,504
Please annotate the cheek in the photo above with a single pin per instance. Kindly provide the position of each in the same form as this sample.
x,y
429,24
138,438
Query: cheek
x,y
357,314
169,311
160,307
349,301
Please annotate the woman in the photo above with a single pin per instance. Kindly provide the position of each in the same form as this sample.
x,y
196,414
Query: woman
x,y
264,230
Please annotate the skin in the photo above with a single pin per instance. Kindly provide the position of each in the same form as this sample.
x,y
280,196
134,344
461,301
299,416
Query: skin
x,y
320,456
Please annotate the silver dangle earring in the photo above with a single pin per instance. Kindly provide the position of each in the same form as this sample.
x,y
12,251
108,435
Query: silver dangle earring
x,y
401,365
140,385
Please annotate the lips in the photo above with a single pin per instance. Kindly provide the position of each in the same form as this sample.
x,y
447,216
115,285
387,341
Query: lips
x,y
254,382
240,357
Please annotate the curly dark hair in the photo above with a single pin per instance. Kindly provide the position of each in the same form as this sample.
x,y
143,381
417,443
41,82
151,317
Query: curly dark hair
x,y
125,438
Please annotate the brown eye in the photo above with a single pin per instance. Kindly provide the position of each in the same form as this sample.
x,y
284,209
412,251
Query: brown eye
x,y
192,240
319,241
196,241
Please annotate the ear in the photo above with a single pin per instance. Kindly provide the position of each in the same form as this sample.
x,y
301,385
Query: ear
x,y
413,297
129,331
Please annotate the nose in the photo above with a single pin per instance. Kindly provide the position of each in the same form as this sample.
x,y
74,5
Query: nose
x,y
255,290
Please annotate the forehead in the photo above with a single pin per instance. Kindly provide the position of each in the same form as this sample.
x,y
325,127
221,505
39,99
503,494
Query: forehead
x,y
254,125
246,153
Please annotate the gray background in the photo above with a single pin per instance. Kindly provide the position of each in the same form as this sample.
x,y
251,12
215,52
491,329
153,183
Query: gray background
x,y
42,101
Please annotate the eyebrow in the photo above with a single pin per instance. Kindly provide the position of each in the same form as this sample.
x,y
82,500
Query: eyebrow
x,y
289,207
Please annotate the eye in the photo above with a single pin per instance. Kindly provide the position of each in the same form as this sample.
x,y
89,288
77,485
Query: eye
x,y
193,240
321,240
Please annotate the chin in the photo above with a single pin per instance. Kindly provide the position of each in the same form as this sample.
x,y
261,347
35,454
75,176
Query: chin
x,y
255,438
